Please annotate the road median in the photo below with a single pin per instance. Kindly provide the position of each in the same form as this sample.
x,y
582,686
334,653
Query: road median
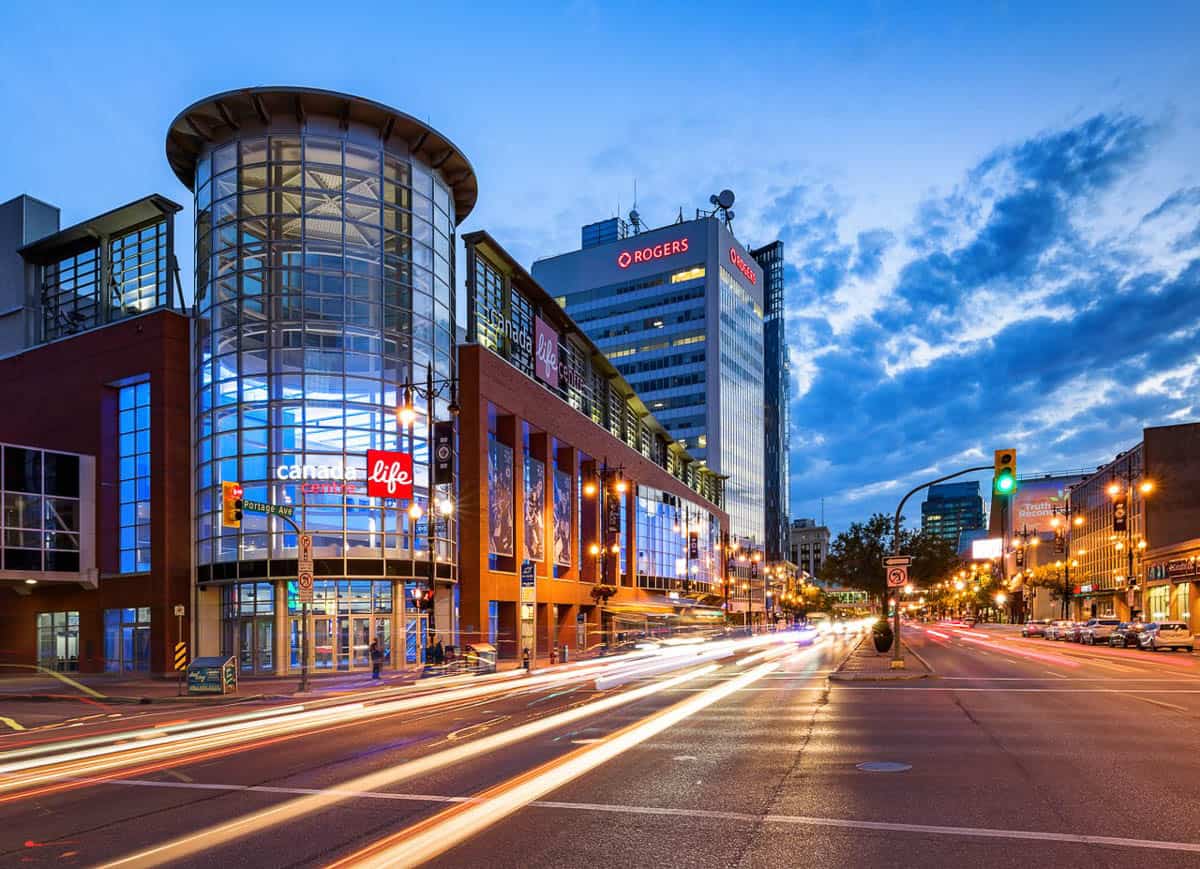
x,y
864,664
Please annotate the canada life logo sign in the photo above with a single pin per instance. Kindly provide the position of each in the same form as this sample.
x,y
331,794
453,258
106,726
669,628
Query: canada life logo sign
x,y
627,258
389,474
545,357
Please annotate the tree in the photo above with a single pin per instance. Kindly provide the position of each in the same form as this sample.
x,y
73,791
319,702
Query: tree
x,y
1053,578
856,556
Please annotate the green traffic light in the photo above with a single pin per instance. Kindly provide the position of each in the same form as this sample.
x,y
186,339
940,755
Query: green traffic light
x,y
1005,483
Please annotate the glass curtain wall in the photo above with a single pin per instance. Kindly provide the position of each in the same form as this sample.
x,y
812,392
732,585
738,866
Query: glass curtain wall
x,y
664,559
324,283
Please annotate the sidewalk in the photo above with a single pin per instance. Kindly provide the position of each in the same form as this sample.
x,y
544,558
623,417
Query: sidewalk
x,y
864,664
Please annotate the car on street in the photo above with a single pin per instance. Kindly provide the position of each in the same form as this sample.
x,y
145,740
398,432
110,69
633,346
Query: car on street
x,y
1125,635
1097,631
1056,629
1035,628
1166,635
1074,634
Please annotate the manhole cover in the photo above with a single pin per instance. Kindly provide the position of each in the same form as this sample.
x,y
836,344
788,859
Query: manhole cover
x,y
883,766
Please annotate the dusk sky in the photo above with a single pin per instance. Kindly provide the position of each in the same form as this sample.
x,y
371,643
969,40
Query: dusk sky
x,y
991,216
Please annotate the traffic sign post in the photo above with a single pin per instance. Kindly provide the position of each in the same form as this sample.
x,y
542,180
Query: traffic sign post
x,y
304,585
180,645
897,576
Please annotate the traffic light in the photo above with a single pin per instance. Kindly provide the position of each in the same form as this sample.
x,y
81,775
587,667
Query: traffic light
x,y
425,602
1005,480
231,505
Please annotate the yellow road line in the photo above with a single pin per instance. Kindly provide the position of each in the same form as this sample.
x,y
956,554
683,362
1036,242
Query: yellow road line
x,y
11,723
60,677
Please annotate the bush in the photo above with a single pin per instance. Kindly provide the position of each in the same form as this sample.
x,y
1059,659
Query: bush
x,y
882,632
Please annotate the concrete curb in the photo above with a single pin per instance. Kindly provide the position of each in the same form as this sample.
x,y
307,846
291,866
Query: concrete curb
x,y
840,675
120,700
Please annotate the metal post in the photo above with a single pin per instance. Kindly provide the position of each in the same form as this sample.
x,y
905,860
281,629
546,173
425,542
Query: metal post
x,y
429,519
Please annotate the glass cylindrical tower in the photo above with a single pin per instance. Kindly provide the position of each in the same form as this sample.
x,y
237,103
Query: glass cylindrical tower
x,y
325,229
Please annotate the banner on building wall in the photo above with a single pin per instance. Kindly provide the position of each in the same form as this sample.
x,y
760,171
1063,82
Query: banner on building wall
x,y
1033,506
562,518
443,453
535,509
500,499
389,474
545,352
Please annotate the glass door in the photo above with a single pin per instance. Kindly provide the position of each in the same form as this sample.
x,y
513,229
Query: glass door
x,y
383,633
265,651
322,643
414,638
343,642
360,650
246,646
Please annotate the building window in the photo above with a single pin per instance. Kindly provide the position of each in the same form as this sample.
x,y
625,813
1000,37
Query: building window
x,y
127,640
493,621
58,640
39,494
133,430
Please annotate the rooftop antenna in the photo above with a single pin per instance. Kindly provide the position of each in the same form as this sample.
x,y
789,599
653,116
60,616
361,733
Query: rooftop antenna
x,y
723,202
635,219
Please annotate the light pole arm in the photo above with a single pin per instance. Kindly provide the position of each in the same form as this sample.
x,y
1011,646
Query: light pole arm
x,y
911,492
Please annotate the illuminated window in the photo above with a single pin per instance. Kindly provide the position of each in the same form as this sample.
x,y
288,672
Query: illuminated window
x,y
691,339
133,429
688,275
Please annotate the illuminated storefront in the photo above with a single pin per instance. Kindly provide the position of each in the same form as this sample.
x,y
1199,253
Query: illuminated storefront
x,y
325,229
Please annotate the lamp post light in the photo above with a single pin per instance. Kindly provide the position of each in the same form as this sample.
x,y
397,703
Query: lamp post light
x,y
1063,519
609,483
406,415
1121,490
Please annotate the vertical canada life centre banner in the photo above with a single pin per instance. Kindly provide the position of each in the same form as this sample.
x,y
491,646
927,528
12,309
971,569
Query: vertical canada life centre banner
x,y
500,499
562,518
535,509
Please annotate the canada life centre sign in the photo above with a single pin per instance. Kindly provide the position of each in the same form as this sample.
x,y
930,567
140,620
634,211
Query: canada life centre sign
x,y
389,475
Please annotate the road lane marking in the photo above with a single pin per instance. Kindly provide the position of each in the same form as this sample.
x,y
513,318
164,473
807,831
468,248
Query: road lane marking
x,y
256,822
437,834
10,722
1155,702
1059,675
844,687
800,820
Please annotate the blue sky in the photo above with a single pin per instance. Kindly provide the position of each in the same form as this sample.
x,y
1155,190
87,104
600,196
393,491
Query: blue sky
x,y
991,215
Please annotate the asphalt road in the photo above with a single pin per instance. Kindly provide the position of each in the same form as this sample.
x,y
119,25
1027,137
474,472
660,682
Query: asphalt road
x,y
1017,752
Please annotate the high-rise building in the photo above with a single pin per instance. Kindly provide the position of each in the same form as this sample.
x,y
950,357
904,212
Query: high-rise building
x,y
680,311
776,393
808,545
951,508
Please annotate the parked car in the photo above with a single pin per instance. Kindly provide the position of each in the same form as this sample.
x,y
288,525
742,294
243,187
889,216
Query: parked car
x,y
1055,629
1074,634
1125,635
1035,628
1097,630
1165,635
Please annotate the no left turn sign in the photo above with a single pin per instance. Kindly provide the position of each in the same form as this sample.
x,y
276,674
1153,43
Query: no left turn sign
x,y
897,576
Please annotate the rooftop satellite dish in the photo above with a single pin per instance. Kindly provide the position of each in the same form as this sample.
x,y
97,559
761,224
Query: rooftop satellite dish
x,y
725,198
712,200
729,215
634,217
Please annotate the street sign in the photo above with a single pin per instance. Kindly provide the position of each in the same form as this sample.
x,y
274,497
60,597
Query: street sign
x,y
179,610
304,585
897,576
897,560
271,509
305,557
181,656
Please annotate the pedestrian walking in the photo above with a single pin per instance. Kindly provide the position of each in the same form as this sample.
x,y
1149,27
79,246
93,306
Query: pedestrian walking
x,y
439,653
376,659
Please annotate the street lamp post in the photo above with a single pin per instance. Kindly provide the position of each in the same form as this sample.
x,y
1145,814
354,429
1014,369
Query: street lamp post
x,y
599,488
406,414
1062,542
1124,496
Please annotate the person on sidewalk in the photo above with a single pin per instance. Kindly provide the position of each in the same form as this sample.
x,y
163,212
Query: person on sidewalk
x,y
439,653
376,659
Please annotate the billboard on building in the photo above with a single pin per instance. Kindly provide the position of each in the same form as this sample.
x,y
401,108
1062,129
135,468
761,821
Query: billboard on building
x,y
983,550
500,498
535,509
1035,500
545,352
562,518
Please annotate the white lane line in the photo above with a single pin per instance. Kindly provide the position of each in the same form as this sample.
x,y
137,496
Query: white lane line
x,y
1155,702
846,823
842,686
1059,675
854,824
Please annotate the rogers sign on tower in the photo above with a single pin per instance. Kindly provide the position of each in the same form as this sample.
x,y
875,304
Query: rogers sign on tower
x,y
741,265
627,258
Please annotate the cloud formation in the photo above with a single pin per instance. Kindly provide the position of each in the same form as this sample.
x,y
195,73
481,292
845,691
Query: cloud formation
x,y
1004,314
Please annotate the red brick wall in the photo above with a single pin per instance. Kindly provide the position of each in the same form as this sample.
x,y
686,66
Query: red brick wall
x,y
60,397
484,379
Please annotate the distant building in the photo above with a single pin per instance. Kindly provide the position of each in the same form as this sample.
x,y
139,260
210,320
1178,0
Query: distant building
x,y
808,545
952,508
776,394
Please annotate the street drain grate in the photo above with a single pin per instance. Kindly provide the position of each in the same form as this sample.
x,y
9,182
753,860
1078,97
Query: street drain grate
x,y
883,766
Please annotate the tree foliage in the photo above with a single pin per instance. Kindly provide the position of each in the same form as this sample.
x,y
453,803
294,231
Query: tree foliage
x,y
856,556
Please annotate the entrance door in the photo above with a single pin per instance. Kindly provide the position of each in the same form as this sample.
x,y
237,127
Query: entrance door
x,y
322,643
264,648
360,638
256,645
246,646
343,643
414,638
383,633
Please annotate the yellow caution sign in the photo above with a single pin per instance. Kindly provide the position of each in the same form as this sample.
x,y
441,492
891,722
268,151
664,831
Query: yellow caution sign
x,y
181,656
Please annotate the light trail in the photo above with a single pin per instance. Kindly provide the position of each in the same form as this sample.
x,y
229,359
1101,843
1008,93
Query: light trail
x,y
438,834
292,810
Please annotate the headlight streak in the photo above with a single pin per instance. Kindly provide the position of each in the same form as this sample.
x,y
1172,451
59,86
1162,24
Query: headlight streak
x,y
293,809
441,832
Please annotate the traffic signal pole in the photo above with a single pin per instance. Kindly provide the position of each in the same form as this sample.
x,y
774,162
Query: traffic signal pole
x,y
897,654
